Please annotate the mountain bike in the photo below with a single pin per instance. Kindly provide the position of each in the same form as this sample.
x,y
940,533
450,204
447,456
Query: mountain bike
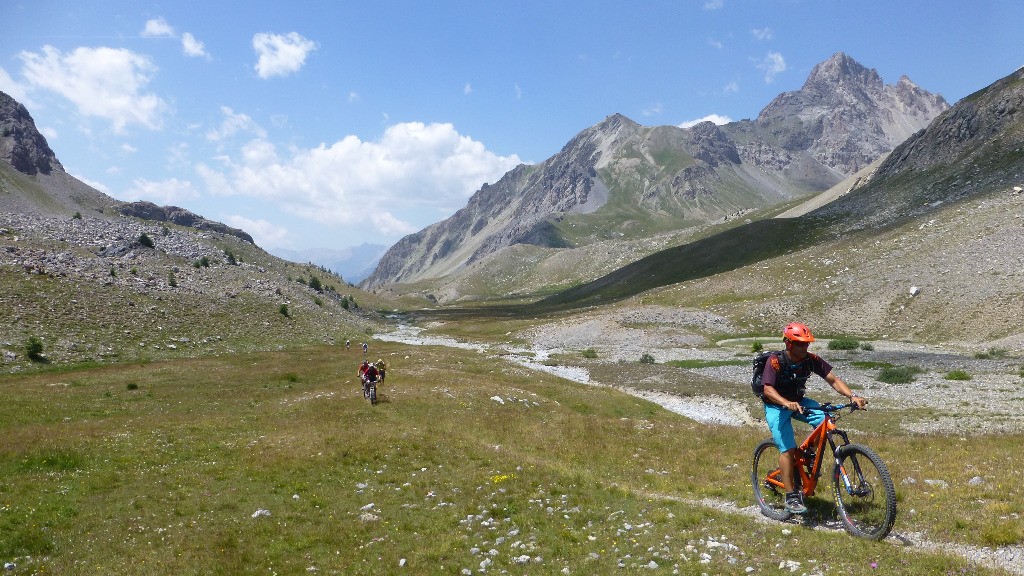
x,y
864,493
370,390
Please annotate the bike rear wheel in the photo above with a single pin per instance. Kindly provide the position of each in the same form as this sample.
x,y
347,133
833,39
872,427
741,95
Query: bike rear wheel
x,y
864,492
765,479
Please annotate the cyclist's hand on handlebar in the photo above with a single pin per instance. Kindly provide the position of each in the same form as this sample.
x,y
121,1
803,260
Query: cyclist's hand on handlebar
x,y
858,401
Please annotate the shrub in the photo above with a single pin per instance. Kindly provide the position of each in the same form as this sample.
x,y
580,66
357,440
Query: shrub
x,y
590,353
133,386
231,258
991,353
171,280
113,273
318,302
843,344
756,347
344,302
315,284
283,309
204,262
646,359
866,346
145,240
77,216
898,374
34,349
958,375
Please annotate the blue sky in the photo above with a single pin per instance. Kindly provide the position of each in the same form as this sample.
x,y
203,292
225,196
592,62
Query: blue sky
x,y
332,123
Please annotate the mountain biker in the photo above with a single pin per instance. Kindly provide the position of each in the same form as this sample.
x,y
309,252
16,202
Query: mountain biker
x,y
785,378
367,374
382,368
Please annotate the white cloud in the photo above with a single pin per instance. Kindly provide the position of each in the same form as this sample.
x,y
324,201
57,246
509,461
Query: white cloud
x,y
157,28
233,124
653,110
714,4
96,185
353,97
401,182
731,87
265,234
762,33
716,118
102,82
129,148
193,47
715,43
280,55
49,133
14,89
773,63
467,89
518,91
168,192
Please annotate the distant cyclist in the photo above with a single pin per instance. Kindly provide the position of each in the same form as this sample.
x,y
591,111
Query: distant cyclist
x,y
364,348
382,368
785,379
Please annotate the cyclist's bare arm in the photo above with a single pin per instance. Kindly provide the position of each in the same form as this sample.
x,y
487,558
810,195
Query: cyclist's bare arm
x,y
841,387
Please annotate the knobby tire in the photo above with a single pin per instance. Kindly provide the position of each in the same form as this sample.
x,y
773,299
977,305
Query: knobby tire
x,y
373,393
868,508
770,499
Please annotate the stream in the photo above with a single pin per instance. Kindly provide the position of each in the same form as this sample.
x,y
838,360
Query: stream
x,y
704,409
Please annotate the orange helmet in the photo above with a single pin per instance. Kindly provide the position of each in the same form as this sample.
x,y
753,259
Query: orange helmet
x,y
797,332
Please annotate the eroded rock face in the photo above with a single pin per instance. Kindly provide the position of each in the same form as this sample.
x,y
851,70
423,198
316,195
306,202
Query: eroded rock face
x,y
21,145
179,216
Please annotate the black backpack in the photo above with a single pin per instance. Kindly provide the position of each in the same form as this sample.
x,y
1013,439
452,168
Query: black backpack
x,y
755,382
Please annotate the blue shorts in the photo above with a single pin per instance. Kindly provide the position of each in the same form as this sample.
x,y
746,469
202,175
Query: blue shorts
x,y
780,422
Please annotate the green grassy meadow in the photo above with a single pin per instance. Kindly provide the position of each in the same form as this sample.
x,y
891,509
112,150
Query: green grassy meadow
x,y
467,463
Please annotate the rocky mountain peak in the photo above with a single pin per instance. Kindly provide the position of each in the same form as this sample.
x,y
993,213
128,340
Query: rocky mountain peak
x,y
846,117
841,69
21,144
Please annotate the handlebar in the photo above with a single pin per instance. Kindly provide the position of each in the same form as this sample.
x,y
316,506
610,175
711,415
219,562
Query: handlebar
x,y
830,408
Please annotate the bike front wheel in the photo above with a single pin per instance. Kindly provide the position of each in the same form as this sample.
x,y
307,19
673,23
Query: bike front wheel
x,y
766,480
864,492
373,393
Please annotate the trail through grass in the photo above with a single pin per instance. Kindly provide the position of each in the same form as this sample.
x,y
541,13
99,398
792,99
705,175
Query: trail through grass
x,y
273,463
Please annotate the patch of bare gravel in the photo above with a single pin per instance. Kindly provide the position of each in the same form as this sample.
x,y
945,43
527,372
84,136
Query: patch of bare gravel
x,y
992,401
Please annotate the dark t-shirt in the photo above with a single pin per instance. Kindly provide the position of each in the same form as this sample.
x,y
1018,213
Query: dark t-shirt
x,y
790,378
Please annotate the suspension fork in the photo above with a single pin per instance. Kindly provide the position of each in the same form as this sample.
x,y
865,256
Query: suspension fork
x,y
850,488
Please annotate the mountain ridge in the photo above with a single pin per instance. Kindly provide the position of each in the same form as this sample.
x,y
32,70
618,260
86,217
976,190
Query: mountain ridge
x,y
620,180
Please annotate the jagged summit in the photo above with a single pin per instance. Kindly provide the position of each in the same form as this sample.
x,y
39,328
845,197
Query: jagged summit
x,y
21,144
841,69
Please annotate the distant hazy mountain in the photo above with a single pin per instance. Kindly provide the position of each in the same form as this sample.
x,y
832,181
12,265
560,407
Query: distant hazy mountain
x,y
619,182
353,264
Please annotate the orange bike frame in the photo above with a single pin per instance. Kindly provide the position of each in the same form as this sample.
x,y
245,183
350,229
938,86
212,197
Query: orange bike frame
x,y
818,438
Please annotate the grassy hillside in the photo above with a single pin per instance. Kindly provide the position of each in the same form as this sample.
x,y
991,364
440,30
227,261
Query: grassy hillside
x,y
190,294
468,462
